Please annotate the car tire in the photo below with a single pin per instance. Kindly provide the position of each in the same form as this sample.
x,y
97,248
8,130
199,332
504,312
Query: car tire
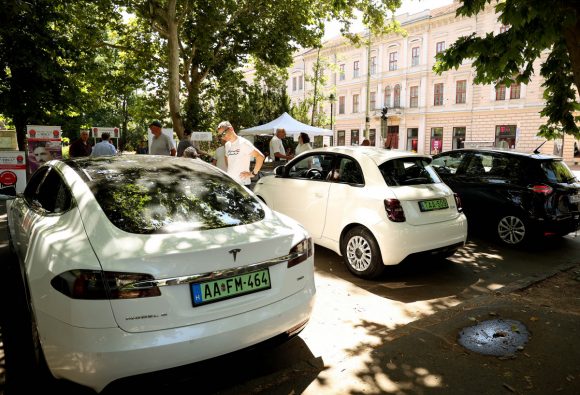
x,y
25,363
361,253
513,230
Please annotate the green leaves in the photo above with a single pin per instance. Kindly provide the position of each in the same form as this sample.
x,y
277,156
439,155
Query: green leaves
x,y
537,30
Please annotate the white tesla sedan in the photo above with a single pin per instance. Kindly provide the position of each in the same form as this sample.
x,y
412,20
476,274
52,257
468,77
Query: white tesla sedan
x,y
375,207
138,263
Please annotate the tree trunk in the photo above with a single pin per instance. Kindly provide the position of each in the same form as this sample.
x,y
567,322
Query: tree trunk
x,y
173,45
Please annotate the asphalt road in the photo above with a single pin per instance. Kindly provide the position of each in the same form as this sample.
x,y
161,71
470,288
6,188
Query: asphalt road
x,y
352,317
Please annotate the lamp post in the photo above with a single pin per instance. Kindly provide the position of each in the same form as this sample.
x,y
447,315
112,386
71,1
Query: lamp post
x,y
331,99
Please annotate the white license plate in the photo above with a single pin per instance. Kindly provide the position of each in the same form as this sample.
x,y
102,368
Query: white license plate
x,y
231,287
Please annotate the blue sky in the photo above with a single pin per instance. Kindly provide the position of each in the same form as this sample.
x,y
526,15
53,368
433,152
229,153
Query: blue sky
x,y
408,6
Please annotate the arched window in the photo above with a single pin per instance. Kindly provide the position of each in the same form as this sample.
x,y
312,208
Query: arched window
x,y
397,96
387,101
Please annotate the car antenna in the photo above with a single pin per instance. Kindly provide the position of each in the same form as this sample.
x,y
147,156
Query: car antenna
x,y
537,150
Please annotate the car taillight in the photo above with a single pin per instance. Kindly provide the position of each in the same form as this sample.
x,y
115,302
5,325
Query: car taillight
x,y
541,188
394,210
96,284
458,202
301,252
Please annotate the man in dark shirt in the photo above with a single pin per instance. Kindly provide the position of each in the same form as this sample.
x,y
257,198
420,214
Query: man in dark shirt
x,y
81,146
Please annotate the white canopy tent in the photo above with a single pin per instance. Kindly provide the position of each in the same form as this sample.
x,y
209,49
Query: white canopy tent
x,y
292,127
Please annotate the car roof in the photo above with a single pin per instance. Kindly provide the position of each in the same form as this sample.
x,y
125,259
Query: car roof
x,y
532,155
376,154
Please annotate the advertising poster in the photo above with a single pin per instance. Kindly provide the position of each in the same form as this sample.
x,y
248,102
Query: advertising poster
x,y
12,171
44,144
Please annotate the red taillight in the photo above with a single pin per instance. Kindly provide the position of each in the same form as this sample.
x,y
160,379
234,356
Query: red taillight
x,y
541,188
394,210
302,251
458,202
95,284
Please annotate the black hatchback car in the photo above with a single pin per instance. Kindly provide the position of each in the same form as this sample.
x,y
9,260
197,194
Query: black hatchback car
x,y
517,196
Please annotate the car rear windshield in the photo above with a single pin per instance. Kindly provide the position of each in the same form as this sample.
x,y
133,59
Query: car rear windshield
x,y
557,171
408,171
167,195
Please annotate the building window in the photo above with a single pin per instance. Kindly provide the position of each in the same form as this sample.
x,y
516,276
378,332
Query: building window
x,y
355,69
341,104
438,95
461,92
340,137
440,47
341,74
458,137
412,139
500,92
393,61
373,100
505,136
387,101
515,90
414,97
415,56
354,137
373,65
397,96
300,83
354,103
436,140
293,84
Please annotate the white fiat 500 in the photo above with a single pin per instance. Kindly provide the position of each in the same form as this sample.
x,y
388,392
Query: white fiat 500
x,y
137,263
375,207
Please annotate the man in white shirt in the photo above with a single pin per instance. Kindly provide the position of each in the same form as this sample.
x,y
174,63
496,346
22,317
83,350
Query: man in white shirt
x,y
104,148
277,151
239,152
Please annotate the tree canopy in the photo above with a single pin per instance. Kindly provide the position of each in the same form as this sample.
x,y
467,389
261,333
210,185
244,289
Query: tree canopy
x,y
537,30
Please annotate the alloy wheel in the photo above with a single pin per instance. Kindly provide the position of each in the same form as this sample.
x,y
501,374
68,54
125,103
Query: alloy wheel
x,y
511,230
359,253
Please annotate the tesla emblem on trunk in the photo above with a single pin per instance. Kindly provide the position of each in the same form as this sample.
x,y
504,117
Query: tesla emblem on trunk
x,y
234,252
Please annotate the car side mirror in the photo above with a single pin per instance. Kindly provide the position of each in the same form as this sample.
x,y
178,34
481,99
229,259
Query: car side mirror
x,y
279,171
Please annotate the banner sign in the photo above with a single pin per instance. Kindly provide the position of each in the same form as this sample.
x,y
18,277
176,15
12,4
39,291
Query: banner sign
x,y
201,136
12,170
98,131
44,144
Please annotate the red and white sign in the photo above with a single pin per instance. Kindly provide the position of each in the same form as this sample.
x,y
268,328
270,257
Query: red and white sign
x,y
97,132
13,169
43,132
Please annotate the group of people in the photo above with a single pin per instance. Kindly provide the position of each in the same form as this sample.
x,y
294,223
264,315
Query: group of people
x,y
234,156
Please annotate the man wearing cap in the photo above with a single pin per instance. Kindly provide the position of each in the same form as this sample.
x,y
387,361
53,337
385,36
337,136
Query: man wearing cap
x,y
239,152
161,143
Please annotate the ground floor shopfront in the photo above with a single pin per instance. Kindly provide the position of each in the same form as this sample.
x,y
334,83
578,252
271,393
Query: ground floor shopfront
x,y
441,131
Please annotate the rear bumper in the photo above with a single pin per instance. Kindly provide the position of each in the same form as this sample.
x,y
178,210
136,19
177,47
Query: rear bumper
x,y
561,225
96,357
401,240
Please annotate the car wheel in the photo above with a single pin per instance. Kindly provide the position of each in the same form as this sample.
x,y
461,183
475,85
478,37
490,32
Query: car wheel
x,y
361,253
512,230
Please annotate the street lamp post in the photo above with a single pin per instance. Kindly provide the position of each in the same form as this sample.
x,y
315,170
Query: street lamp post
x,y
331,99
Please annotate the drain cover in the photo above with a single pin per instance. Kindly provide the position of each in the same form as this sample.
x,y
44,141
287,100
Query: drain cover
x,y
494,337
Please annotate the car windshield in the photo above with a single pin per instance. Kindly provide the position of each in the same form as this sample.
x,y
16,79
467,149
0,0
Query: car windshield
x,y
557,171
167,195
408,171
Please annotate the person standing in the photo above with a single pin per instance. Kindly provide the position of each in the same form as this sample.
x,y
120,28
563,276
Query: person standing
x,y
161,143
142,148
303,143
104,148
277,151
185,142
219,158
238,154
80,147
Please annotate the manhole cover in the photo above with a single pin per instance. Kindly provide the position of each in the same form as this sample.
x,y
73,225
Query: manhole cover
x,y
494,337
